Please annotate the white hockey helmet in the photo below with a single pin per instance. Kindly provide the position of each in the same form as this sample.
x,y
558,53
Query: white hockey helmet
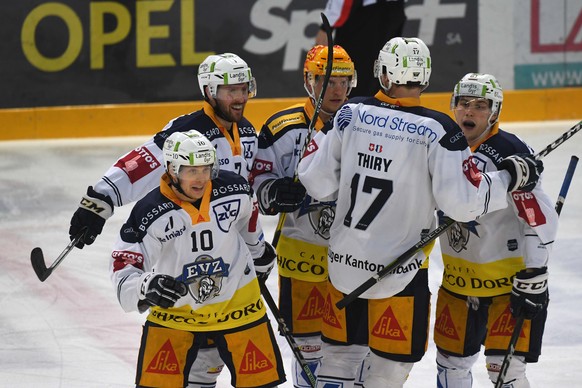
x,y
225,69
406,61
189,149
478,85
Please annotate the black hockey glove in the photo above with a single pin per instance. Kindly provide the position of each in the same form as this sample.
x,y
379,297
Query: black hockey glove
x,y
282,195
525,171
529,294
265,263
94,209
160,290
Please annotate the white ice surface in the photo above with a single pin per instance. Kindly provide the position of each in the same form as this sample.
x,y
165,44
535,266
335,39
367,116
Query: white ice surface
x,y
70,331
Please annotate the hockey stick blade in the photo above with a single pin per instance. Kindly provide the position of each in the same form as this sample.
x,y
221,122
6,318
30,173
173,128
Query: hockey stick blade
x,y
37,261
520,320
39,265
438,231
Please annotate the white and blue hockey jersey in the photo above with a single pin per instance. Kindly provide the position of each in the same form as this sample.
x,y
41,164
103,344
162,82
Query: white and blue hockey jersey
x,y
391,163
210,248
481,257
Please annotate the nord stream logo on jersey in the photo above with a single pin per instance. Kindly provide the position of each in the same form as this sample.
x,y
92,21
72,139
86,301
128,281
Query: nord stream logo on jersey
x,y
226,212
394,123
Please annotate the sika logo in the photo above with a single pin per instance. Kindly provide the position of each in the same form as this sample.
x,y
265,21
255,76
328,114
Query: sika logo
x,y
313,307
254,361
329,316
165,361
445,326
388,327
504,324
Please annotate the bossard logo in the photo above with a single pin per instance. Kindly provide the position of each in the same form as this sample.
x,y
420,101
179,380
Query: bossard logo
x,y
225,213
445,326
254,361
313,307
388,327
165,361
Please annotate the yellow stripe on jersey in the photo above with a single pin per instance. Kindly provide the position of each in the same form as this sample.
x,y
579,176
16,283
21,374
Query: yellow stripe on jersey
x,y
480,279
301,260
244,307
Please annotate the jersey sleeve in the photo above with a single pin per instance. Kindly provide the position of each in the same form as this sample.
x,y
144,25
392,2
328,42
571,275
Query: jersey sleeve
x,y
338,12
128,261
459,188
319,169
536,211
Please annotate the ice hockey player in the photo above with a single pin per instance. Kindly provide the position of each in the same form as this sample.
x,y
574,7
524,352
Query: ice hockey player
x,y
496,266
188,253
302,246
226,82
390,162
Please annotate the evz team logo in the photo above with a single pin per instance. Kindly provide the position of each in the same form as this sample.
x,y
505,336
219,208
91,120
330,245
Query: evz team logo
x,y
225,213
204,277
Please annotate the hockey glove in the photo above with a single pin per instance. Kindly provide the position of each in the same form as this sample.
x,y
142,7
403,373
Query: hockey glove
x,y
265,263
529,294
94,209
282,195
160,290
525,171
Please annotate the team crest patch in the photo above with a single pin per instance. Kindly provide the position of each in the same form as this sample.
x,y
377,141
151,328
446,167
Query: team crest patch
x,y
225,213
204,277
458,237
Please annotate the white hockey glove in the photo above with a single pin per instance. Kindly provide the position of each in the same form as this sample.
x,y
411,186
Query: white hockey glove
x,y
265,263
282,195
529,294
94,209
159,290
525,171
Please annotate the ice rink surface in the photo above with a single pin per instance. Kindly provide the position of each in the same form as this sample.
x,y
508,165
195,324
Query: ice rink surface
x,y
70,331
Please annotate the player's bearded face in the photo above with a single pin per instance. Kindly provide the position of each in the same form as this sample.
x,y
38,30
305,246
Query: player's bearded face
x,y
231,101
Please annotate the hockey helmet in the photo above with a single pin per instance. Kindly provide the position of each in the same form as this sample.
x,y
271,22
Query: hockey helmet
x,y
225,69
189,149
405,61
478,85
342,65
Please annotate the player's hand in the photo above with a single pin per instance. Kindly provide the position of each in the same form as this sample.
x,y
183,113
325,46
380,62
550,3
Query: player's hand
x,y
94,209
525,171
265,263
160,290
282,195
529,294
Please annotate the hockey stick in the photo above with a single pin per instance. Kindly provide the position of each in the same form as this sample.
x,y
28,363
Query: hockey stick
x,y
318,104
37,258
520,320
349,298
287,334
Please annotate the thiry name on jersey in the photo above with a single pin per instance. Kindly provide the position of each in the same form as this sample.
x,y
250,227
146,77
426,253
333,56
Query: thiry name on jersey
x,y
481,257
302,247
392,163
210,248
140,170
